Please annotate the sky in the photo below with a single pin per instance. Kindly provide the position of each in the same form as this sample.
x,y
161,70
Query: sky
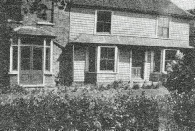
x,y
185,4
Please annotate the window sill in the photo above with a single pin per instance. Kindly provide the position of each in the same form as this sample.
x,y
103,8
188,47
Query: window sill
x,y
45,23
13,73
106,72
14,21
163,38
33,86
48,73
102,72
102,33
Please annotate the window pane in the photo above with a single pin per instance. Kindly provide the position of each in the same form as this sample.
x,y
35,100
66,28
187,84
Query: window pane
x,y
104,16
110,53
107,27
92,53
15,58
103,21
104,53
110,65
100,27
165,22
48,42
160,22
25,58
160,31
103,65
32,41
165,32
157,58
170,54
47,66
37,58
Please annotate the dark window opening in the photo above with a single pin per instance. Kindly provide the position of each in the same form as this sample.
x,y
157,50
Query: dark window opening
x,y
15,58
103,21
13,9
107,58
92,59
47,63
157,58
170,55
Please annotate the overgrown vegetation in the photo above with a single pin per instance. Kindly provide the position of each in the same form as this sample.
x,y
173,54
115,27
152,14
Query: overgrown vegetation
x,y
77,108
181,82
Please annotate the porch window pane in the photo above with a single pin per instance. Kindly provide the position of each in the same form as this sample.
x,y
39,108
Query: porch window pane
x,y
37,58
157,58
47,63
107,59
15,58
25,58
92,58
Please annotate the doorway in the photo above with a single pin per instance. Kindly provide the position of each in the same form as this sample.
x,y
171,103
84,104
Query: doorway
x,y
138,57
31,64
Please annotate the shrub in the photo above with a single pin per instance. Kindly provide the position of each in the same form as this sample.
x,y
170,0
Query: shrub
x,y
80,108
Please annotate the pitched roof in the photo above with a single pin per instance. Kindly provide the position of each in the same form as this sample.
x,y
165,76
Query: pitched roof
x,y
164,7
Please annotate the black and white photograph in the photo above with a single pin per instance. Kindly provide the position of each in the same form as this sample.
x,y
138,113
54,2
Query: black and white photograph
x,y
97,65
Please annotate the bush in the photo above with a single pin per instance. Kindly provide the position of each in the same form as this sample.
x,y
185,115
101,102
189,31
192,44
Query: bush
x,y
78,108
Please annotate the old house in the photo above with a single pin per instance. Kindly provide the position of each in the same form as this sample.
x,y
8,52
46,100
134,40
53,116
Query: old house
x,y
94,41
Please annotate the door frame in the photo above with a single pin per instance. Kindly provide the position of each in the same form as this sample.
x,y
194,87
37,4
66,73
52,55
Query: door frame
x,y
32,47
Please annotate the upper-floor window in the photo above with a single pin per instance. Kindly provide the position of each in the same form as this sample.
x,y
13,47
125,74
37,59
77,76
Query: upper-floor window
x,y
103,21
163,27
13,9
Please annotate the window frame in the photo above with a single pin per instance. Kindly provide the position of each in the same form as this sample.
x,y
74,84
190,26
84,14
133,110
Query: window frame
x,y
96,22
11,70
158,26
18,44
99,59
164,59
51,57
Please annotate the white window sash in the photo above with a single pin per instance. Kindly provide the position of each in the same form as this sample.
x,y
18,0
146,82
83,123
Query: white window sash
x,y
99,58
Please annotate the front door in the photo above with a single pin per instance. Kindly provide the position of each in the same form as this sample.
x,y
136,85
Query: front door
x,y
31,65
138,63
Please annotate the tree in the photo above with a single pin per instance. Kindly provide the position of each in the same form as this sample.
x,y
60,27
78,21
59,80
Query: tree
x,y
181,78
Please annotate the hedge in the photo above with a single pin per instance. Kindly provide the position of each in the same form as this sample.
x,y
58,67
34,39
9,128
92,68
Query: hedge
x,y
82,109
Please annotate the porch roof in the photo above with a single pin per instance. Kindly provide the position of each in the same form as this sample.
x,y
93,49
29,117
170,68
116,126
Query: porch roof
x,y
130,40
33,31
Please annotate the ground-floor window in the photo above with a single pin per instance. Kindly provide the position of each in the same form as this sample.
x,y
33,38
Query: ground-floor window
x,y
157,60
30,58
170,55
92,59
107,59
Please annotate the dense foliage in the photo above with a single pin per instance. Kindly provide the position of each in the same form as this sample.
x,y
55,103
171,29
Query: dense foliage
x,y
181,82
77,108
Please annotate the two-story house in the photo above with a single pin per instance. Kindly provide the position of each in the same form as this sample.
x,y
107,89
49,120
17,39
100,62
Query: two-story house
x,y
125,39
98,41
